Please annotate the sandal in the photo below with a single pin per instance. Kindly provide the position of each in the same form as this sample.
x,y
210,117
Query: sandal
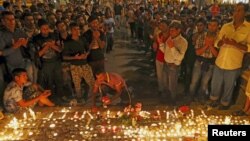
x,y
239,113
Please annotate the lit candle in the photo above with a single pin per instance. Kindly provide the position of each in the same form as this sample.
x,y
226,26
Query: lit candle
x,y
83,114
118,114
108,114
32,113
50,116
30,133
90,115
55,134
175,113
159,114
13,123
167,115
192,113
76,115
25,115
64,115
52,125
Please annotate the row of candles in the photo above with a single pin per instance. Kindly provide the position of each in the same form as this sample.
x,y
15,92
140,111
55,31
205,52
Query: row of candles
x,y
84,125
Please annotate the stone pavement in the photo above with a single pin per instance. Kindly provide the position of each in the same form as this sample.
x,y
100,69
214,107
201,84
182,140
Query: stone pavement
x,y
129,60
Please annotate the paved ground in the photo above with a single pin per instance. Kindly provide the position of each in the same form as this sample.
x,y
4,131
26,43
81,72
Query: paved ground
x,y
129,60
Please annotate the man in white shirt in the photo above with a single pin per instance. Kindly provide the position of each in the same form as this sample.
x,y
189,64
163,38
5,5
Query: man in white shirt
x,y
175,48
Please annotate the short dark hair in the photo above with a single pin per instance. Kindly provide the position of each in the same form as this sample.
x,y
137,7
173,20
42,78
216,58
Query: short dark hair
x,y
17,72
99,71
42,22
201,20
167,22
92,18
27,14
50,14
6,13
59,11
73,24
6,4
59,22
214,20
244,5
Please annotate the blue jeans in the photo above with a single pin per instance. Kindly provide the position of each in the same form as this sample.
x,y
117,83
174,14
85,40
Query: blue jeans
x,y
171,78
201,78
222,85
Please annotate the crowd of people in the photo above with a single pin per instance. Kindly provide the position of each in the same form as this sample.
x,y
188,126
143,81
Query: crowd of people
x,y
59,47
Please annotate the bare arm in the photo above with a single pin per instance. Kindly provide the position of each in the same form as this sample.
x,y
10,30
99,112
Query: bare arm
x,y
43,50
200,51
214,51
26,103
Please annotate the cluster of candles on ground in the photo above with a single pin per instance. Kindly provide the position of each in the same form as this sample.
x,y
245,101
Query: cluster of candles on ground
x,y
156,125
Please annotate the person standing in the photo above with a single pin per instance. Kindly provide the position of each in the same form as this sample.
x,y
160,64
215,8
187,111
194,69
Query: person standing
x,y
118,13
159,60
109,24
175,48
233,41
13,45
206,54
96,40
76,52
50,72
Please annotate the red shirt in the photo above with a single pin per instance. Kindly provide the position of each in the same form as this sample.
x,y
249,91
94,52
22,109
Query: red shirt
x,y
159,53
113,80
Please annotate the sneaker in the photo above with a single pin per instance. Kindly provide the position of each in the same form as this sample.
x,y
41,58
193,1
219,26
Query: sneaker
x,y
81,101
214,104
222,107
64,98
239,113
73,102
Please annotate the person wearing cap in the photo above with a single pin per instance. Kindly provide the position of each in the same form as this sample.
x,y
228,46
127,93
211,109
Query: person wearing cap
x,y
174,51
96,40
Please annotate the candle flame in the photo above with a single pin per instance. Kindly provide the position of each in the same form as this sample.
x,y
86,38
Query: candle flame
x,y
32,113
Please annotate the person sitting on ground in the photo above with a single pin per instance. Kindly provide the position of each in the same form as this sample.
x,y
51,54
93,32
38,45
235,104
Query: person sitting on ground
x,y
108,83
16,97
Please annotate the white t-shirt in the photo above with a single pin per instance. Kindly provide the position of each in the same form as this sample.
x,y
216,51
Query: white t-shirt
x,y
12,94
110,22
